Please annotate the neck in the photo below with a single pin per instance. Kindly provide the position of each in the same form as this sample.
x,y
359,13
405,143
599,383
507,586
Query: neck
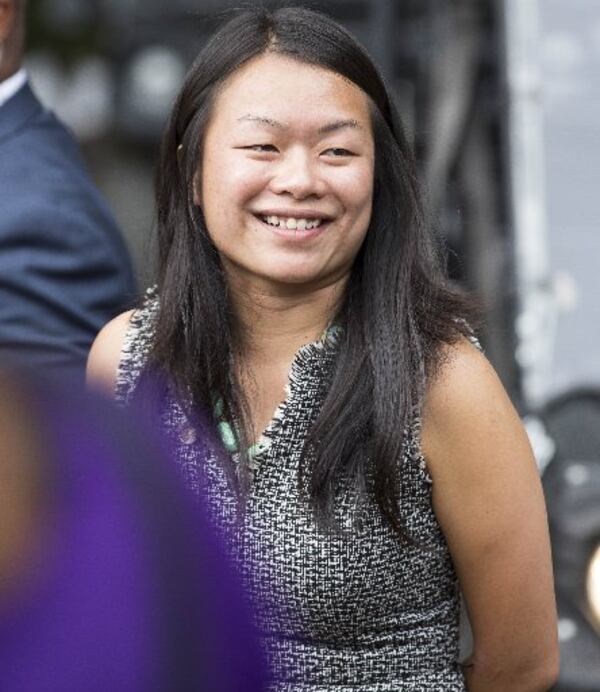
x,y
8,72
8,66
276,323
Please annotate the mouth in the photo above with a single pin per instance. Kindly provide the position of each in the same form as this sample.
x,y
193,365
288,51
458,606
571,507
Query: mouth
x,y
294,226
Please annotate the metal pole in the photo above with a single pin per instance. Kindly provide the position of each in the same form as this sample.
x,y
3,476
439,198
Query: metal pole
x,y
536,320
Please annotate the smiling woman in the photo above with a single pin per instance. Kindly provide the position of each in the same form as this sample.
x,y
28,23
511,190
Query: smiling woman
x,y
302,302
286,195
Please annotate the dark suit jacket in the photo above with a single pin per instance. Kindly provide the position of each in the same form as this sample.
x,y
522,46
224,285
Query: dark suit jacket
x,y
64,269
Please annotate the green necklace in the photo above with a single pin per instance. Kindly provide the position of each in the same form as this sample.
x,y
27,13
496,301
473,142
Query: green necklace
x,y
226,429
229,437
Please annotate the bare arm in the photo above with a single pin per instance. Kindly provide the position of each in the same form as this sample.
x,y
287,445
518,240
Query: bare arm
x,y
488,500
105,354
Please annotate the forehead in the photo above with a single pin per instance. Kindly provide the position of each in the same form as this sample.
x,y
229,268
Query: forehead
x,y
291,92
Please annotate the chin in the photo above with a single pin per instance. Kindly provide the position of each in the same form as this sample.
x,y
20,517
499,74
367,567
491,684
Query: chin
x,y
294,279
293,276
282,270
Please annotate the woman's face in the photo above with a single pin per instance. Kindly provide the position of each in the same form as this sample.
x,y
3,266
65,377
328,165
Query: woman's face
x,y
286,183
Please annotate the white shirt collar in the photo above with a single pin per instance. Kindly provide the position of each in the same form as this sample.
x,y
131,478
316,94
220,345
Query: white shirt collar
x,y
10,86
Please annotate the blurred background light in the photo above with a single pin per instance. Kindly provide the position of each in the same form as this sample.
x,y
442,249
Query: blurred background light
x,y
593,586
150,82
83,96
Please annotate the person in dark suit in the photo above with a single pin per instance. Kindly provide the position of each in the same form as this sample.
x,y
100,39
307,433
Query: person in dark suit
x,y
64,268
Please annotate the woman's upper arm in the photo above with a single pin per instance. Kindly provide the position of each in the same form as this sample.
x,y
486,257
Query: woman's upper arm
x,y
488,500
105,354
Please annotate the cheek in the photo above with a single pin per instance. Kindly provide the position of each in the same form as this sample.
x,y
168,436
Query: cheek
x,y
244,180
353,184
355,189
229,180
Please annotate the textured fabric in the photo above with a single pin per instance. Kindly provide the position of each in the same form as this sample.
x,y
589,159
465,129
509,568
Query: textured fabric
x,y
64,268
352,609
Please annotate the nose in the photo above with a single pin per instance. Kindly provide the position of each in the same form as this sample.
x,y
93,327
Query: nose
x,y
297,174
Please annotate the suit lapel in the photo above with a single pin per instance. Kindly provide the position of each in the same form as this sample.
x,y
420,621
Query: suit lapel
x,y
17,111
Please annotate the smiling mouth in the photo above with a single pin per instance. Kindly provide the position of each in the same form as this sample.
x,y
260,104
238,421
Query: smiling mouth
x,y
292,223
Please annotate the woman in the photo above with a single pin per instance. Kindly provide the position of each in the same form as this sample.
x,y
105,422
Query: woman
x,y
295,264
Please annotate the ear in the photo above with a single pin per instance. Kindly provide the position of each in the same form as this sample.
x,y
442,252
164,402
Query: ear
x,y
8,13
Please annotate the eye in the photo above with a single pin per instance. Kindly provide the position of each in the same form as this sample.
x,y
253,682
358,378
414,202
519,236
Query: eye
x,y
338,152
261,147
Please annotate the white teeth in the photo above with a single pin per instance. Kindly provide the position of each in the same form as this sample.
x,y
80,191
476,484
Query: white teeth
x,y
292,223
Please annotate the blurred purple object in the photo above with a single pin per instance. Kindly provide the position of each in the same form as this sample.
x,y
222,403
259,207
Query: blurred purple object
x,y
131,591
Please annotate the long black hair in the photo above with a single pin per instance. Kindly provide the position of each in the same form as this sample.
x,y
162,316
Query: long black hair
x,y
398,309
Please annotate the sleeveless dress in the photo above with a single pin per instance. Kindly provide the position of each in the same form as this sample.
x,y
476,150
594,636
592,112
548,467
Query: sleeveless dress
x,y
356,609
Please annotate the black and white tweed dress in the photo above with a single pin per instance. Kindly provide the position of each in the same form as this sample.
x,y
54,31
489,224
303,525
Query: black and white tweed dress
x,y
358,609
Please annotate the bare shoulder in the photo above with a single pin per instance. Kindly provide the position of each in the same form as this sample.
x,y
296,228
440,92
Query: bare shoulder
x,y
105,354
467,412
464,376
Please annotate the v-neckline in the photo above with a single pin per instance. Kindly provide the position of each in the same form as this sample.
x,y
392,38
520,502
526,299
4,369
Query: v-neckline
x,y
329,338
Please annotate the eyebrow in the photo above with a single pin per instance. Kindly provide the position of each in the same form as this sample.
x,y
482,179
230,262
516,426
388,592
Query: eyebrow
x,y
323,130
